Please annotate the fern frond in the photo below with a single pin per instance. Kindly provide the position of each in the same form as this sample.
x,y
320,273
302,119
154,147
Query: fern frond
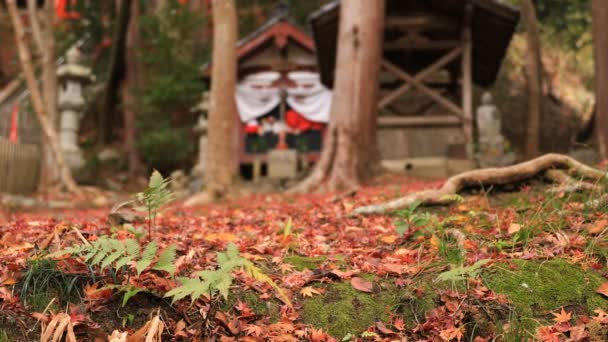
x,y
461,273
146,257
189,287
129,291
131,252
165,260
257,274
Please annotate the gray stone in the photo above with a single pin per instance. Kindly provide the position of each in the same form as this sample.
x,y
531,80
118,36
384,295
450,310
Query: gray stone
x,y
108,154
17,201
586,155
491,141
282,164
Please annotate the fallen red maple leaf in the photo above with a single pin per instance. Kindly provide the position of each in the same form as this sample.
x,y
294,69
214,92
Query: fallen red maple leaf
x,y
362,284
603,289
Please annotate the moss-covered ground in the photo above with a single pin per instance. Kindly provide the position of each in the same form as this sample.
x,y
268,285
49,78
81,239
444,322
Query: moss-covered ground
x,y
538,288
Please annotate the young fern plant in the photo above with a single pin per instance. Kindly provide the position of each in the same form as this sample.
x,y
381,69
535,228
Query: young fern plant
x,y
156,195
212,282
114,255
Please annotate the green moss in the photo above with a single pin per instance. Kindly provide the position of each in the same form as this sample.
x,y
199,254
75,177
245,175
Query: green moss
x,y
301,262
538,288
342,309
261,307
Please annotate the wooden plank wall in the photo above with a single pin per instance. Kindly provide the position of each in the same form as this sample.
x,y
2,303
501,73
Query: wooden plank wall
x,y
417,141
19,167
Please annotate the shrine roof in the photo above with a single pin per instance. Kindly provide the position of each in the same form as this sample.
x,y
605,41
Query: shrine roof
x,y
492,25
278,31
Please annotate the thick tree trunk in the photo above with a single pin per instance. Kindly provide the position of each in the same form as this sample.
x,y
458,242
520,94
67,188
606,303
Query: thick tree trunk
x,y
533,73
49,91
350,149
50,135
221,164
599,10
131,81
116,72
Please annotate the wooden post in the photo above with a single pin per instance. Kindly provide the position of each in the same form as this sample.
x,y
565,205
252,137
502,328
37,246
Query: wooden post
x,y
467,81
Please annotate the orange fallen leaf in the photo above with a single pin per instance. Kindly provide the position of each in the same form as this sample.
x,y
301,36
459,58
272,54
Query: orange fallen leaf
x,y
514,228
435,242
383,329
389,239
603,289
310,291
226,237
597,227
362,284
563,316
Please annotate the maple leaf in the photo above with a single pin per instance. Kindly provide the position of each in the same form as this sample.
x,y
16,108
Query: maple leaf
x,y
254,330
362,284
602,316
244,309
93,293
603,289
285,268
562,317
310,291
451,333
317,335
578,333
547,334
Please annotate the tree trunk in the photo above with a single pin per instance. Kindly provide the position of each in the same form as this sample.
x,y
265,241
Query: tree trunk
x,y
131,81
116,72
49,131
599,13
350,148
533,70
221,164
49,174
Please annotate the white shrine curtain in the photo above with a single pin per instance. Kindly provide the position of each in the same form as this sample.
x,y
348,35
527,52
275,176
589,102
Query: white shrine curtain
x,y
256,95
309,97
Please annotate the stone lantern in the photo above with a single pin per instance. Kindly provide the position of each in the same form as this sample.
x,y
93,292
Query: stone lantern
x,y
72,77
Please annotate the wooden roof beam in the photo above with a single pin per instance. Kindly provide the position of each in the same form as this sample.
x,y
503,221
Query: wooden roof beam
x,y
420,22
402,44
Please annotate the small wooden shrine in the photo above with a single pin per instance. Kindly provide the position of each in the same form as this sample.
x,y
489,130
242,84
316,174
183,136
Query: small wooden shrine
x,y
280,99
434,53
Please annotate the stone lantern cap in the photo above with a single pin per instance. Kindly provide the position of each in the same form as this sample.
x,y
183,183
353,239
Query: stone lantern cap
x,y
73,70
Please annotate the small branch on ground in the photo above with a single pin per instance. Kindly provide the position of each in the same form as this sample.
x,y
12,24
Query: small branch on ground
x,y
485,177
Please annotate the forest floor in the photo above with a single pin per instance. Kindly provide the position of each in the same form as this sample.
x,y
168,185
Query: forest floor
x,y
507,264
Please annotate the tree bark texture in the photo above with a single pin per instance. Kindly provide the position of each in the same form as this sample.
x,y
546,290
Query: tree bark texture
x,y
131,81
350,150
533,74
221,163
116,72
599,14
51,138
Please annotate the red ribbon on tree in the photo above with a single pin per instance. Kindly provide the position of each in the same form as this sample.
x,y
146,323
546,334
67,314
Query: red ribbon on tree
x,y
62,12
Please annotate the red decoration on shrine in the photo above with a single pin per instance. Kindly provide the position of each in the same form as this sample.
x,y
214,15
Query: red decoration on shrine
x,y
296,121
13,136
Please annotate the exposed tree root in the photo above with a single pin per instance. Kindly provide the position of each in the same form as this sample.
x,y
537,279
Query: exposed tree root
x,y
567,184
484,177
